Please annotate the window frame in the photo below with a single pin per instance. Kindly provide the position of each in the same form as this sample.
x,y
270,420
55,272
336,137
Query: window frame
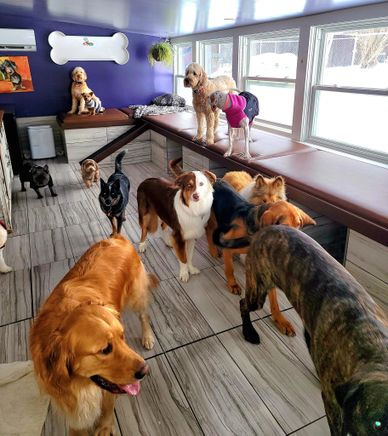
x,y
203,42
176,75
244,77
315,66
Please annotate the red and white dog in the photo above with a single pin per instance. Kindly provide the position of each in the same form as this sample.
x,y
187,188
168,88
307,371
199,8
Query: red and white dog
x,y
184,206
4,268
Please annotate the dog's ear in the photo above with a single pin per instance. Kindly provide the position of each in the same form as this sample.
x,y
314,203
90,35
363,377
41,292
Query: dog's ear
x,y
279,182
102,183
58,360
211,176
270,218
202,77
344,391
46,168
305,219
91,93
259,181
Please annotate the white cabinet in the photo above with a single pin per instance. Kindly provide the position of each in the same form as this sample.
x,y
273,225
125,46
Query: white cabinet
x,y
6,176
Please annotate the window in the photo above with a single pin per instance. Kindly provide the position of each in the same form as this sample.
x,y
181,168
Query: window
x,y
182,58
269,71
216,56
349,91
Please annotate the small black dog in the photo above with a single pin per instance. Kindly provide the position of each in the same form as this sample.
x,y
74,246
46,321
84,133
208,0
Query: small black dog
x,y
38,176
114,195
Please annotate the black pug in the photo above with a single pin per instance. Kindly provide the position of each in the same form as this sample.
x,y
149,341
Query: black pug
x,y
114,195
38,176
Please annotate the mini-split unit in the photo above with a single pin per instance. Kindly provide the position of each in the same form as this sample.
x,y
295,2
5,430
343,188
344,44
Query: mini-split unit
x,y
17,40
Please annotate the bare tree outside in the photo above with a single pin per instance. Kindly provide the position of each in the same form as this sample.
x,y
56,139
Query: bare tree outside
x,y
369,45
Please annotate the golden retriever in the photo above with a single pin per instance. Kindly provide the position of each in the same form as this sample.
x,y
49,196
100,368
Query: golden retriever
x,y
196,79
77,341
78,87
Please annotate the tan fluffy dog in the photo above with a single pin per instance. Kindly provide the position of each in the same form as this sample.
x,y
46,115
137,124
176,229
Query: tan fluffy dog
x,y
77,341
202,86
257,190
90,172
78,87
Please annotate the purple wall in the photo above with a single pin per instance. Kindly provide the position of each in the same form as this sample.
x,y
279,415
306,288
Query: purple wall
x,y
136,82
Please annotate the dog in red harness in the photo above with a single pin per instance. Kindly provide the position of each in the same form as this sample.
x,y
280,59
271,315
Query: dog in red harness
x,y
4,268
240,111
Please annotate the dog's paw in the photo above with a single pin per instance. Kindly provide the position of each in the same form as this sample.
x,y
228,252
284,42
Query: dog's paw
x,y
71,112
23,189
40,196
193,270
227,154
148,342
284,326
234,288
54,194
184,276
250,334
105,430
142,247
5,269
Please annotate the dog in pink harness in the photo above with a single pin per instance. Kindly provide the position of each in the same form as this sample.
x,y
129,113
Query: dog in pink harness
x,y
240,111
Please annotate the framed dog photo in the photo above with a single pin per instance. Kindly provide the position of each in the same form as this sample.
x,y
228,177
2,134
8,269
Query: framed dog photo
x,y
15,74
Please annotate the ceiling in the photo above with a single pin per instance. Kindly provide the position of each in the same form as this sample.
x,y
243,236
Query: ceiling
x,y
171,17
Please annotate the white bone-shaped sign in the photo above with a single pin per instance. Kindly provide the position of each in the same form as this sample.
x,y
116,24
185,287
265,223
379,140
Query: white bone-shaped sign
x,y
88,48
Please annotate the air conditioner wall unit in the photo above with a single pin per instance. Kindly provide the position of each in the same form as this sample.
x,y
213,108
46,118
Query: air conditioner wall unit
x,y
17,40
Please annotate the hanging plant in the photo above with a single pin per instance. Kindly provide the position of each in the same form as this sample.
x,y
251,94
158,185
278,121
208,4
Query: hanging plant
x,y
161,52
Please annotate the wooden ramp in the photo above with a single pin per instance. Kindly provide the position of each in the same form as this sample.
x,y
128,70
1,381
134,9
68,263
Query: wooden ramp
x,y
117,143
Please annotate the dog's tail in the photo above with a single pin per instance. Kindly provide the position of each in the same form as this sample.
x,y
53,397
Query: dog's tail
x,y
118,160
175,168
218,239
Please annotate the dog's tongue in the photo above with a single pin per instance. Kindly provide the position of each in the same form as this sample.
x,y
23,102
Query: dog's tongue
x,y
132,389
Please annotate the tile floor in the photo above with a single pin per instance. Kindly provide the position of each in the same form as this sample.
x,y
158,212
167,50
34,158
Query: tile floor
x,y
205,379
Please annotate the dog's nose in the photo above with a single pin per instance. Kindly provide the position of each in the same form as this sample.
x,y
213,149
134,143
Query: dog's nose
x,y
143,371
108,202
196,196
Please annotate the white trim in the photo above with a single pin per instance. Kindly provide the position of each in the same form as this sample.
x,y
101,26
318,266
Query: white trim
x,y
309,27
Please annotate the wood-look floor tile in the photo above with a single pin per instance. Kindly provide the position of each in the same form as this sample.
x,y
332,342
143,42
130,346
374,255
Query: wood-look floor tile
x,y
15,296
296,344
17,252
50,246
14,341
239,273
317,428
45,278
170,311
34,202
133,334
83,236
218,306
221,397
19,222
159,409
78,212
44,218
285,385
131,229
19,199
132,204
62,174
70,193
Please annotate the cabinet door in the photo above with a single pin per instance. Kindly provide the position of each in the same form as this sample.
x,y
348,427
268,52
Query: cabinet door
x,y
6,175
6,161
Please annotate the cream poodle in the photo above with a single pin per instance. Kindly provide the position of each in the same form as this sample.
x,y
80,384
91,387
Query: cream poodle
x,y
78,87
202,86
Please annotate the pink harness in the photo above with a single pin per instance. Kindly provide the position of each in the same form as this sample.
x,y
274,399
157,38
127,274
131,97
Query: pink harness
x,y
235,113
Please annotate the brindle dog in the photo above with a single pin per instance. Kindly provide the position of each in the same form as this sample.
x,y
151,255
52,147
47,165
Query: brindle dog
x,y
346,332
